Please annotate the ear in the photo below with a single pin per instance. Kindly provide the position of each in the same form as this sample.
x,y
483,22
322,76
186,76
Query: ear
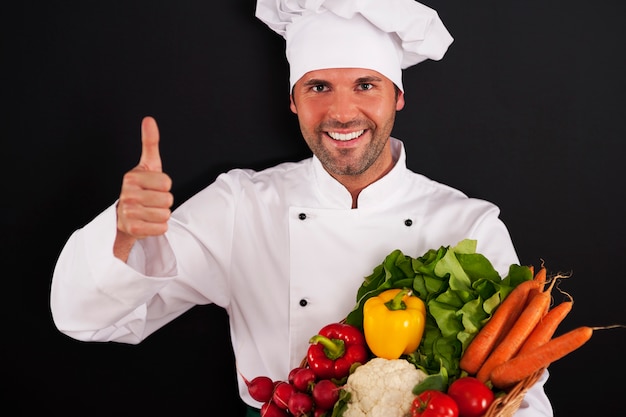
x,y
292,104
400,100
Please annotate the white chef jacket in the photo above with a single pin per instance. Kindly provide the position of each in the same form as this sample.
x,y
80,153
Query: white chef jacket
x,y
280,249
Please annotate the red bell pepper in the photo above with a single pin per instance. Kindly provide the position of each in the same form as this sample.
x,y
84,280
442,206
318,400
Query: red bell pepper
x,y
335,349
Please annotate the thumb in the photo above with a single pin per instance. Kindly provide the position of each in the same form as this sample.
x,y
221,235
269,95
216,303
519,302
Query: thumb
x,y
150,157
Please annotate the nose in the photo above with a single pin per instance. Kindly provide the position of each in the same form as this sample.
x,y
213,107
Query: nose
x,y
343,106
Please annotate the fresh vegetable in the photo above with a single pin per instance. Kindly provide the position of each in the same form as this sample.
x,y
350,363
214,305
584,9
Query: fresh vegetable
x,y
499,324
325,394
335,349
545,329
380,388
541,278
303,379
393,323
433,403
269,409
438,381
260,388
513,340
301,395
524,365
461,290
471,396
300,404
282,391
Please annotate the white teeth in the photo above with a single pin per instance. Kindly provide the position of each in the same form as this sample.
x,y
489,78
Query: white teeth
x,y
345,136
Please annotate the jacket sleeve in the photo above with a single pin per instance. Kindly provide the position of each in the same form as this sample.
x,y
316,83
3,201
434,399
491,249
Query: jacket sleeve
x,y
96,297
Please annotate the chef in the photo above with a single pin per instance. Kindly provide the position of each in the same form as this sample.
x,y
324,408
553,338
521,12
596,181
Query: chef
x,y
283,250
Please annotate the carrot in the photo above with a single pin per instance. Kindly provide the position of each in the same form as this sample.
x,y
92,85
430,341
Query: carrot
x,y
524,365
541,275
521,329
504,316
546,327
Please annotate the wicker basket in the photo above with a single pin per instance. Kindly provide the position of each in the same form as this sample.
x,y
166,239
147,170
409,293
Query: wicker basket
x,y
506,405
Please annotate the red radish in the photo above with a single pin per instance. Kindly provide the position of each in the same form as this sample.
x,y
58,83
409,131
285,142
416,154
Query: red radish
x,y
325,394
292,373
282,391
300,404
269,409
303,379
260,388
318,412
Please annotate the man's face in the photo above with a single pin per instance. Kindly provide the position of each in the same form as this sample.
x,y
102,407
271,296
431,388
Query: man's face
x,y
346,116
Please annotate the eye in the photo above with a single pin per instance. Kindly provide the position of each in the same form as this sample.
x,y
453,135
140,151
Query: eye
x,y
366,86
318,88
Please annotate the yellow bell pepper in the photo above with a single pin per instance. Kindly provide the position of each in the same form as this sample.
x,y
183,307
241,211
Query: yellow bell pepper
x,y
393,323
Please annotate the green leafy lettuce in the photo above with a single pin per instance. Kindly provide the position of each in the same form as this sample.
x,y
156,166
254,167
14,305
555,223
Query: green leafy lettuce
x,y
461,290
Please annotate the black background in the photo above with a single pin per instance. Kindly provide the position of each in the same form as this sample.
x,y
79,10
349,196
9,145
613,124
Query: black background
x,y
525,110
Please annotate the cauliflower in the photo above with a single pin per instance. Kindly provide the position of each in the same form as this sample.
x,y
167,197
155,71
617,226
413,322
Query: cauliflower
x,y
382,388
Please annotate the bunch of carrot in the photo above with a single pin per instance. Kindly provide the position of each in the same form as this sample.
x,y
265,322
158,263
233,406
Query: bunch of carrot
x,y
519,339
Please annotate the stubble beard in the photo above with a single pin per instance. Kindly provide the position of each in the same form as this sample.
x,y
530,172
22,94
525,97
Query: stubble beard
x,y
347,163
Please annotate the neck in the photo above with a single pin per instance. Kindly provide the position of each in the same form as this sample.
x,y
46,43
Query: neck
x,y
356,183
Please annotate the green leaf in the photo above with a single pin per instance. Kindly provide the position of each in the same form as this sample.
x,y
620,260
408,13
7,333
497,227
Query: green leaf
x,y
477,267
492,303
438,381
473,318
445,316
517,274
466,246
449,265
451,298
342,403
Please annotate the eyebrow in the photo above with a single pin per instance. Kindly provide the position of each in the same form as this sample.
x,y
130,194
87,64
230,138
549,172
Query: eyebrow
x,y
368,79
315,81
361,80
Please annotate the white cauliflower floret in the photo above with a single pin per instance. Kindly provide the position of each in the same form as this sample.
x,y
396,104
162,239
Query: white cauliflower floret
x,y
382,388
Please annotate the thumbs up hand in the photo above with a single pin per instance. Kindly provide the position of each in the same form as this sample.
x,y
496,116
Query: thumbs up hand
x,y
145,200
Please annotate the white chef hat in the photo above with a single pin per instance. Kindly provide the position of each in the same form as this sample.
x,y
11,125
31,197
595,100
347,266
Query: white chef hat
x,y
386,36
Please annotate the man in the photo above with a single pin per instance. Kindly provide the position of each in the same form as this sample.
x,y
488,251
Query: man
x,y
283,250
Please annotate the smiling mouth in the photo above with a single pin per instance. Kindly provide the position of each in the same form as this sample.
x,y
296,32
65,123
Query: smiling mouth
x,y
346,136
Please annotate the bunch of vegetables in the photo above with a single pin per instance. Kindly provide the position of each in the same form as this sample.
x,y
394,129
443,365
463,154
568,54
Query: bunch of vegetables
x,y
460,290
441,335
313,388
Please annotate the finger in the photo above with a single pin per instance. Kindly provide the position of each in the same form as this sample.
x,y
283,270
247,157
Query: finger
x,y
140,179
140,229
150,157
142,213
